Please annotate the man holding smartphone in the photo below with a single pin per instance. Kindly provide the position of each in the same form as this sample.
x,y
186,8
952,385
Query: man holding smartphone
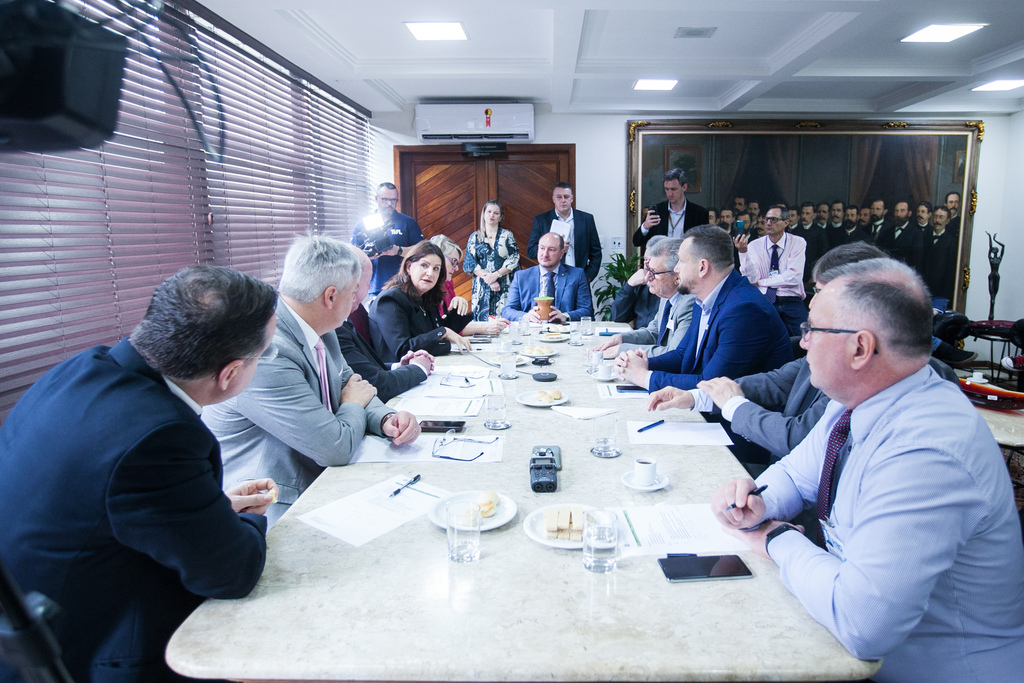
x,y
673,216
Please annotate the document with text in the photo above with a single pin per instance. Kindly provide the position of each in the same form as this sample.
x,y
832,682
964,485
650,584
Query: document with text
x,y
662,529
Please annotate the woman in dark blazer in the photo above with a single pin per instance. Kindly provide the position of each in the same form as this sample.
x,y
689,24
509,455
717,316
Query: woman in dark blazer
x,y
405,317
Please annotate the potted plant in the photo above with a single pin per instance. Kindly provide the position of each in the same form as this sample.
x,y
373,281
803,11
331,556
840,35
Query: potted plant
x,y
614,275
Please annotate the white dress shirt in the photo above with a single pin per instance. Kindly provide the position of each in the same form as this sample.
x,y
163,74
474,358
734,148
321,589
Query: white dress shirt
x,y
755,265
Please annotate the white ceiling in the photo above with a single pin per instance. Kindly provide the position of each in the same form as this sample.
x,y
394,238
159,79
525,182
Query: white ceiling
x,y
840,57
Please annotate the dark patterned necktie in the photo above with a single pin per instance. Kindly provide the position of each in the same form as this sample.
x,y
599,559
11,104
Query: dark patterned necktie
x,y
836,439
664,324
772,292
549,278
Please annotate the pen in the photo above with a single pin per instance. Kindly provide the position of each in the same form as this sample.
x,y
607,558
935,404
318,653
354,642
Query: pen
x,y
756,492
650,426
408,483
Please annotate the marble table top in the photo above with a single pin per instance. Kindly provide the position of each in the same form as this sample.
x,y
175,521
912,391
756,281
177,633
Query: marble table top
x,y
396,609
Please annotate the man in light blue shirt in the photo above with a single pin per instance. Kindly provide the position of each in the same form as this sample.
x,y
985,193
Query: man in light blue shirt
x,y
922,562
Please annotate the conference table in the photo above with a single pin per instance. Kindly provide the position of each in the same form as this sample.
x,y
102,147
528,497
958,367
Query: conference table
x,y
396,608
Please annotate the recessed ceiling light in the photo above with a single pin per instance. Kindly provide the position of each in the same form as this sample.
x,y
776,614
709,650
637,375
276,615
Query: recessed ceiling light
x,y
942,33
654,84
999,85
437,30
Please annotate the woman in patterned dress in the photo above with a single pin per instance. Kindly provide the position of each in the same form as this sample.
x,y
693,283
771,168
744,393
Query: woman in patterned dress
x,y
491,257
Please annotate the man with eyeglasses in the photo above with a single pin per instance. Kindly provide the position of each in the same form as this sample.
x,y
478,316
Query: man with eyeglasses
x,y
110,485
667,328
918,559
306,410
401,231
635,304
775,265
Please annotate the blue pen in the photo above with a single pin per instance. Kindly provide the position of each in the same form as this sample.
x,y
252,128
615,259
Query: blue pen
x,y
650,426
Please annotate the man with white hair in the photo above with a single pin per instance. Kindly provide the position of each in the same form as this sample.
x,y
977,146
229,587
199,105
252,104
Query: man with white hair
x,y
919,558
305,410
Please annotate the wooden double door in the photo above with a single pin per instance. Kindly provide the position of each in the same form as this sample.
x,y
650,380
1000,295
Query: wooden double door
x,y
445,192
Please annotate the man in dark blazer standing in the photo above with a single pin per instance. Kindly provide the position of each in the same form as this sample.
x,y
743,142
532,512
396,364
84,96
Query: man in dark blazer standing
x,y
576,227
110,485
672,217
734,331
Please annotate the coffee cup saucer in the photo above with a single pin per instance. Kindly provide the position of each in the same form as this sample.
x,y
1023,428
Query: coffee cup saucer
x,y
605,379
660,482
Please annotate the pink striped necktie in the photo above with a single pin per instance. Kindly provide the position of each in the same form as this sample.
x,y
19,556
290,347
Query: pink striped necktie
x,y
321,368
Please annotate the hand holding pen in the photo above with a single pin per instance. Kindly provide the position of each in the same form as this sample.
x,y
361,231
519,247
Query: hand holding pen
x,y
737,503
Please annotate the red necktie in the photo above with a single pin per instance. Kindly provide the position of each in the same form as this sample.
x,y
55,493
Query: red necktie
x,y
836,439
321,369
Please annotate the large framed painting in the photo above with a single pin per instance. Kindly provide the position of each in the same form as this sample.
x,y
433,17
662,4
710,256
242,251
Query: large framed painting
x,y
796,161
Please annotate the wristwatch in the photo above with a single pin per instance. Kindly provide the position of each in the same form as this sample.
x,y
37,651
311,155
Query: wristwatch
x,y
781,529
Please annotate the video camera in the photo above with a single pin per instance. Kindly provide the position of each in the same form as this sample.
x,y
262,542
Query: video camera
x,y
377,238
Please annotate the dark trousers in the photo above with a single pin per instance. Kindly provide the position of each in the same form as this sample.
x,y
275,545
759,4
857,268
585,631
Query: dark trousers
x,y
793,312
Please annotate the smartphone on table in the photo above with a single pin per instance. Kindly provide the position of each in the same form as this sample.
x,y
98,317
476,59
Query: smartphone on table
x,y
703,568
442,425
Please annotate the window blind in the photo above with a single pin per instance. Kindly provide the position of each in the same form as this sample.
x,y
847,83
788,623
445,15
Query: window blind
x,y
85,236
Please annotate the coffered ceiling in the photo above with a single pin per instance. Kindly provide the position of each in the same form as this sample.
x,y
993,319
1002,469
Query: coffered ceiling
x,y
841,57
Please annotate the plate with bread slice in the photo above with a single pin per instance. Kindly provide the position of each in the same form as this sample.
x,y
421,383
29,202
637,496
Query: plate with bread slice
x,y
543,398
496,510
557,526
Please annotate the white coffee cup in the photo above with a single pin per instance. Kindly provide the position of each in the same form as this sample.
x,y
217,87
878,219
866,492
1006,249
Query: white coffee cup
x,y
645,471
605,370
977,375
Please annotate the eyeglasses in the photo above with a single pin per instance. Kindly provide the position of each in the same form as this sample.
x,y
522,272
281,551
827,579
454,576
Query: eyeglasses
x,y
454,262
460,381
806,329
387,200
450,438
653,274
269,354
773,219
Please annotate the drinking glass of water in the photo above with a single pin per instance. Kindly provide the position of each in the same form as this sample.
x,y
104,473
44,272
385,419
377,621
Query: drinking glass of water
x,y
600,540
464,531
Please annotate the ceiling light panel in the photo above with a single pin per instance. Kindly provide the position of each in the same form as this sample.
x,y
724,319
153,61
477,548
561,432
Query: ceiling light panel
x,y
942,33
437,30
999,85
654,84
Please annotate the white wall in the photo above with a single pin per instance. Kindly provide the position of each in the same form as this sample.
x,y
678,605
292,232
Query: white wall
x,y
601,188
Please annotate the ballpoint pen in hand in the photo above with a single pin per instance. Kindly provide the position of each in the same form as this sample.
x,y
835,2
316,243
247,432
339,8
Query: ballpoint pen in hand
x,y
408,483
756,492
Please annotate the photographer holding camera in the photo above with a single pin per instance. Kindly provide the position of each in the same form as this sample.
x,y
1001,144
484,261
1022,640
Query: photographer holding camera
x,y
384,235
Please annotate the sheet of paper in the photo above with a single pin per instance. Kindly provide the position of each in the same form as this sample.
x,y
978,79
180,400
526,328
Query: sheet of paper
x,y
453,407
378,449
470,371
373,512
609,391
661,529
454,386
582,413
678,434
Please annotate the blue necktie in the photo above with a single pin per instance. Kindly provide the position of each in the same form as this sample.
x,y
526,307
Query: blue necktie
x,y
664,323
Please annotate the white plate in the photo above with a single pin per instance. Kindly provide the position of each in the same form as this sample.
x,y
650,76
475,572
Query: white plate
x,y
556,329
660,482
540,355
552,337
503,515
528,398
533,525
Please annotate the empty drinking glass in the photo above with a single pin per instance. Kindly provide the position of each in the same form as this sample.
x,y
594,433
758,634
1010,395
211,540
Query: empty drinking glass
x,y
494,412
587,323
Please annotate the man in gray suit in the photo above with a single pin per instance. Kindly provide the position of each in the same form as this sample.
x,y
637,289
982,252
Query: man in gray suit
x,y
305,410
669,325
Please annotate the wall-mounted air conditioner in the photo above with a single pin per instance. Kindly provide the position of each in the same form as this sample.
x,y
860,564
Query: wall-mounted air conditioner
x,y
474,122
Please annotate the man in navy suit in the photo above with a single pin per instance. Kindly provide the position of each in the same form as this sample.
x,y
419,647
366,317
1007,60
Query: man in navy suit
x,y
672,217
734,331
576,227
403,231
110,485
572,291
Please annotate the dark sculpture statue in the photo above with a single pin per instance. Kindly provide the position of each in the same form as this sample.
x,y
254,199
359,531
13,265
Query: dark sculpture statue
x,y
995,257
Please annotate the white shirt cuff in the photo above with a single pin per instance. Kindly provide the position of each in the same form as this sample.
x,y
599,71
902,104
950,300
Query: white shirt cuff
x,y
702,403
729,409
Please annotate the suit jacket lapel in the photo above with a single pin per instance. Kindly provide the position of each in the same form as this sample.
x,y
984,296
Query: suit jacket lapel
x,y
723,294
